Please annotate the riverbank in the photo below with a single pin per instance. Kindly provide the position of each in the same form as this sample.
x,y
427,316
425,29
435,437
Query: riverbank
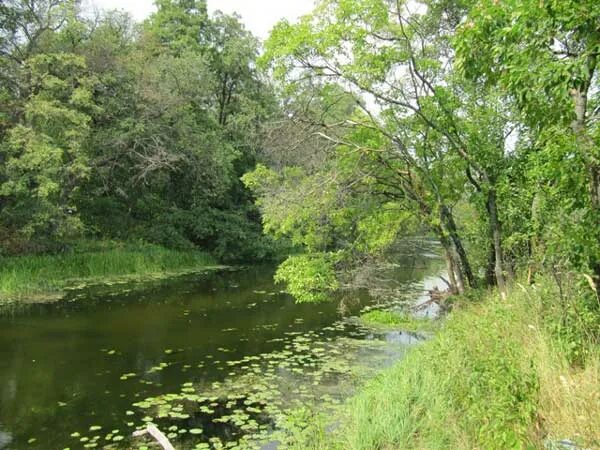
x,y
48,277
521,373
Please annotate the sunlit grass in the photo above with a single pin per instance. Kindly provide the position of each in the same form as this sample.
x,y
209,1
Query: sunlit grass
x,y
498,374
26,275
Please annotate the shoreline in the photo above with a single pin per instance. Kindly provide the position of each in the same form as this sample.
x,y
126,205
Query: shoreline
x,y
112,282
484,379
51,278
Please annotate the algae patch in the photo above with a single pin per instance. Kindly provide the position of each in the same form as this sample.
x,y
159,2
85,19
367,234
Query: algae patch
x,y
386,319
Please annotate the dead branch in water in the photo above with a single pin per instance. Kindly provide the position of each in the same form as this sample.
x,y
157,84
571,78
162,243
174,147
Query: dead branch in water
x,y
157,435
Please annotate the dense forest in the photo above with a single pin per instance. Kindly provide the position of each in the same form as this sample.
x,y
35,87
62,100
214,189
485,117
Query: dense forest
x,y
115,130
472,121
361,129
475,122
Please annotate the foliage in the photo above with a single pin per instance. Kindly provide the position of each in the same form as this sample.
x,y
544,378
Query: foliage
x,y
118,131
503,41
178,24
448,130
44,157
396,320
309,278
403,151
544,57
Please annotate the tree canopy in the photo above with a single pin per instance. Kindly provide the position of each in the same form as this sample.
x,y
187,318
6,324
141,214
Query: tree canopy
x,y
118,130
471,121
367,121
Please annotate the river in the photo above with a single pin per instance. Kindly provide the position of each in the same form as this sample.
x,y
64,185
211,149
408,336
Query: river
x,y
211,359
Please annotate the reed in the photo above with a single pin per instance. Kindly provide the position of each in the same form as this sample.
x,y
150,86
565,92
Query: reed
x,y
91,262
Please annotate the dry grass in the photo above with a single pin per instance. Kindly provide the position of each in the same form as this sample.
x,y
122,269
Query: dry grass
x,y
569,397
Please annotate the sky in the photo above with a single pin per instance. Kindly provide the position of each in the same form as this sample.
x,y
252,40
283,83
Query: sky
x,y
259,16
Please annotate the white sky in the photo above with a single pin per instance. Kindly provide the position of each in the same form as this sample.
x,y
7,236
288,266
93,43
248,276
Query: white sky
x,y
259,16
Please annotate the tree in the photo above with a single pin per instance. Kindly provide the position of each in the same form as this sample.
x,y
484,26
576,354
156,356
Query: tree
x,y
24,26
44,155
397,63
112,130
178,25
545,55
182,122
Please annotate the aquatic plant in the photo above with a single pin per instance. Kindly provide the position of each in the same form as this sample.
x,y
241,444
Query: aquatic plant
x,y
40,276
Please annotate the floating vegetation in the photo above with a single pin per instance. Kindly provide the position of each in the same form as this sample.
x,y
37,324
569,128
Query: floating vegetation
x,y
127,376
251,405
397,320
159,367
235,378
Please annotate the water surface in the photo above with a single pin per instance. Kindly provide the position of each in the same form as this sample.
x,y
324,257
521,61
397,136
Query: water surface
x,y
72,374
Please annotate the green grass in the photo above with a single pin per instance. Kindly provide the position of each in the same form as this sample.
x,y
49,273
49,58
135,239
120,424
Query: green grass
x,y
499,374
30,277
396,320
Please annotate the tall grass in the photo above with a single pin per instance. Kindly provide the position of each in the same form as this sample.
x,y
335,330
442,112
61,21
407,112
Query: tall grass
x,y
87,262
499,375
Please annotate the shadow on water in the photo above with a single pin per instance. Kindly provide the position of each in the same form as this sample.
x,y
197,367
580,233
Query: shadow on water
x,y
208,358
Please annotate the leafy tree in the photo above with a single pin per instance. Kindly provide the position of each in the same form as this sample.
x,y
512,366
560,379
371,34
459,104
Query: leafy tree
x,y
182,124
44,156
121,131
439,133
545,55
178,25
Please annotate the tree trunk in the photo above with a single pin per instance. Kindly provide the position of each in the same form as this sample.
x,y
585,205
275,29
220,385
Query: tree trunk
x,y
496,234
450,224
580,99
455,275
490,270
460,280
450,268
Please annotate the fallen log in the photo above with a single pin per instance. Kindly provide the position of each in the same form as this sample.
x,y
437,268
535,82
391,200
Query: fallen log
x,y
157,435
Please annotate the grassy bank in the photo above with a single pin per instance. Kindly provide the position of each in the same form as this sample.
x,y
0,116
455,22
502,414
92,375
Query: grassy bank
x,y
513,374
46,276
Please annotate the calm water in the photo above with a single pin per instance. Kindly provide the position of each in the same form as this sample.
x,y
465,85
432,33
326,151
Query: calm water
x,y
85,362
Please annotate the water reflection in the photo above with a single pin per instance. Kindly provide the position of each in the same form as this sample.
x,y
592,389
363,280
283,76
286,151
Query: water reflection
x,y
84,362
403,337
5,439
